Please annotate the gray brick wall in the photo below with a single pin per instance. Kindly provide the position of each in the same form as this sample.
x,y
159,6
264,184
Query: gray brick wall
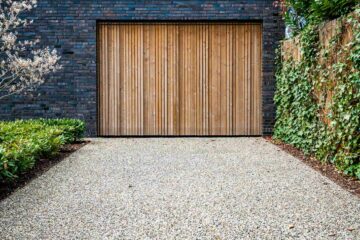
x,y
70,27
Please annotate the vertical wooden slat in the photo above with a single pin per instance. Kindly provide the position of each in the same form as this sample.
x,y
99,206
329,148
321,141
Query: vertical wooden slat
x,y
127,77
199,63
217,80
185,77
233,80
122,80
127,80
106,89
104,75
152,82
117,83
172,80
229,80
133,81
246,64
165,79
141,81
192,81
136,67
212,74
189,79
222,81
251,80
169,77
146,80
181,70
185,67
159,80
177,81
132,117
206,79
111,82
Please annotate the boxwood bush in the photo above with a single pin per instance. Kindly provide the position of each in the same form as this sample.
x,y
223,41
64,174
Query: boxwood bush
x,y
23,142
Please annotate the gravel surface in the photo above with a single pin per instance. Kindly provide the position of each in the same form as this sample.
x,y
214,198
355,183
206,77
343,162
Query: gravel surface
x,y
180,188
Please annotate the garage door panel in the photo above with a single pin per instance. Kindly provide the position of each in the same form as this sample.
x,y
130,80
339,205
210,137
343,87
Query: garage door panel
x,y
179,79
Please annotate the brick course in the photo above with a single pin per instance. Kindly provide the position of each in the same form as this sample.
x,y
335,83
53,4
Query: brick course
x,y
70,27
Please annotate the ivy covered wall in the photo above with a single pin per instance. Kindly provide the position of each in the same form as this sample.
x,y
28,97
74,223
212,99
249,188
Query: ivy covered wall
x,y
318,92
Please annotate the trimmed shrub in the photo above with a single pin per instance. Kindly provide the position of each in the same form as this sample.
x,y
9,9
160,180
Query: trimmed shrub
x,y
23,142
73,129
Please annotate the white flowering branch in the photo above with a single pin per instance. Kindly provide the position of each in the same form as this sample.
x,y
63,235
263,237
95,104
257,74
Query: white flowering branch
x,y
22,68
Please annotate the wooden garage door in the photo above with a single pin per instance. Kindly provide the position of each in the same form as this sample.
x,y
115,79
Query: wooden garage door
x,y
179,79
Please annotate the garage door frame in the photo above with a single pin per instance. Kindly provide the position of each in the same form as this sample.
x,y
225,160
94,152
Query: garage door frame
x,y
259,22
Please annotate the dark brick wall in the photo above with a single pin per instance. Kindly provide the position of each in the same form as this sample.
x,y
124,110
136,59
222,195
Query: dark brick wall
x,y
70,27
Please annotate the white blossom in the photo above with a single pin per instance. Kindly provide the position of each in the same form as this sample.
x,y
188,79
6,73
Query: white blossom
x,y
21,67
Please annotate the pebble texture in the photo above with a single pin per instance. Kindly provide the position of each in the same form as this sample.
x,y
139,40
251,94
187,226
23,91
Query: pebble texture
x,y
180,188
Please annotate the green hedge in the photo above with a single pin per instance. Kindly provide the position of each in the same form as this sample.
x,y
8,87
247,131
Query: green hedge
x,y
23,142
328,130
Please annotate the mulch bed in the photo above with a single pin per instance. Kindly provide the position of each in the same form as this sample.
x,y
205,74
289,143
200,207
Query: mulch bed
x,y
349,183
40,167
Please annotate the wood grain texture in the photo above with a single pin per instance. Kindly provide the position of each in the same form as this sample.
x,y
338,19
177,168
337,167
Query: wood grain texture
x,y
179,79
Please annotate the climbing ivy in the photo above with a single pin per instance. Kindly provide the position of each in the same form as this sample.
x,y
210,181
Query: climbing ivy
x,y
329,130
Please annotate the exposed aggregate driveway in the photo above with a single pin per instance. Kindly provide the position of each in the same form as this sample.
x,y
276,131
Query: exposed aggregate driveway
x,y
180,188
